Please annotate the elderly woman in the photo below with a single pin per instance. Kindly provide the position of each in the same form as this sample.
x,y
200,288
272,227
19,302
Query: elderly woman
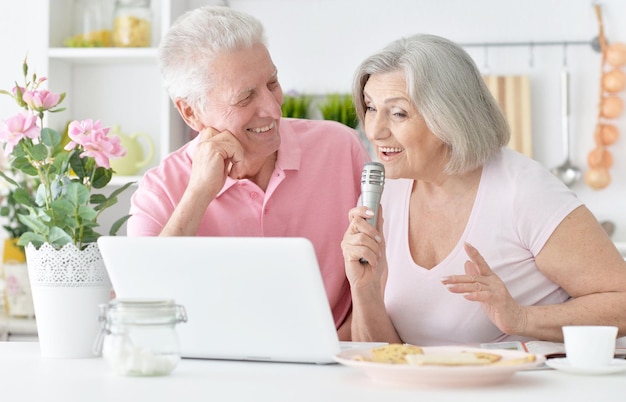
x,y
478,243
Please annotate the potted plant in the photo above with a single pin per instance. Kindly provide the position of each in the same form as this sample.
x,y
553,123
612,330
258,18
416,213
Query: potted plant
x,y
296,105
62,218
339,107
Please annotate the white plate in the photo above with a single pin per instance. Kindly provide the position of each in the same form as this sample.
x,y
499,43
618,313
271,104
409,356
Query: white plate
x,y
447,376
616,366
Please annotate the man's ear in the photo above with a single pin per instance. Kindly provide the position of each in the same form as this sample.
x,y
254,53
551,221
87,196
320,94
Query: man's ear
x,y
188,114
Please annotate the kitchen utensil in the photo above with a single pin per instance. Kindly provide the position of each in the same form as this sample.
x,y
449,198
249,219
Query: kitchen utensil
x,y
139,152
566,172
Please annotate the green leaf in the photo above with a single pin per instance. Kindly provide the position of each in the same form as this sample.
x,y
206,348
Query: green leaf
x,y
60,163
117,225
97,199
103,202
22,164
56,110
30,237
41,196
18,152
50,138
22,196
78,165
57,186
61,207
8,179
101,177
77,194
340,107
120,190
58,238
90,236
34,222
19,162
296,106
39,152
87,214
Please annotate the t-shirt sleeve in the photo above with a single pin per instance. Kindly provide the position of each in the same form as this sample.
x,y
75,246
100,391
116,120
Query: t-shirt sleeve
x,y
540,204
149,211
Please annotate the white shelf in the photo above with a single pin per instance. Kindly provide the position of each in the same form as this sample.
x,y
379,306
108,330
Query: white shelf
x,y
103,55
119,86
121,180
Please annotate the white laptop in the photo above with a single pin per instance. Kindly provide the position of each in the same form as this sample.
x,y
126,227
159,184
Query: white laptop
x,y
247,298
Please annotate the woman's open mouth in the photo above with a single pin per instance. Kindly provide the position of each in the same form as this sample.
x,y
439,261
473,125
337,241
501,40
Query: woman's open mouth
x,y
389,151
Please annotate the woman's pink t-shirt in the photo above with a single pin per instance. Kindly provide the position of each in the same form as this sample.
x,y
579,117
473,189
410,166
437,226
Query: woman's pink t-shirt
x,y
518,206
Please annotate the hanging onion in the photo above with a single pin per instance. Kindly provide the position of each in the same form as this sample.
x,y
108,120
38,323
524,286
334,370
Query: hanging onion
x,y
611,107
606,134
616,54
600,157
597,178
614,81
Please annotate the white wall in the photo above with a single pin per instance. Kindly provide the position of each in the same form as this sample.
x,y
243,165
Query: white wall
x,y
23,31
317,44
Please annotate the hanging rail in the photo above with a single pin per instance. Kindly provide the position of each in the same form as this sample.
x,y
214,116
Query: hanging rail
x,y
594,43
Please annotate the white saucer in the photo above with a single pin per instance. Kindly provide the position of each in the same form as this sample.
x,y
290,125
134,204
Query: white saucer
x,y
616,366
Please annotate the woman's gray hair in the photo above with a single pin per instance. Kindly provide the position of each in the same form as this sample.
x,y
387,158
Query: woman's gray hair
x,y
448,90
187,51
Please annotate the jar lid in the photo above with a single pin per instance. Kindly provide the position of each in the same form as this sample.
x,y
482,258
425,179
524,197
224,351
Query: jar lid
x,y
143,312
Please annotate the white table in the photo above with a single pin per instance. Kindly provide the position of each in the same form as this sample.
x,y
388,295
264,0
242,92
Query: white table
x,y
25,376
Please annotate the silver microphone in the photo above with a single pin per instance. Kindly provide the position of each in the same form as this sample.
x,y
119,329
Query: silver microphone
x,y
372,182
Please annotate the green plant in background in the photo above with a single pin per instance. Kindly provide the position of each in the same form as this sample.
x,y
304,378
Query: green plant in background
x,y
339,107
296,106
11,207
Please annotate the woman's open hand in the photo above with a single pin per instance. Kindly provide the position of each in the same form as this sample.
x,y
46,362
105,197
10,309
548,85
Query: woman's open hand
x,y
482,285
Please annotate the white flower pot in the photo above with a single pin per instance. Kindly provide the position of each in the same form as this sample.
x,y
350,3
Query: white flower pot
x,y
68,285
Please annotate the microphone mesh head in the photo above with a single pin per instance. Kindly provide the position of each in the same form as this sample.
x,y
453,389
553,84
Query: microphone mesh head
x,y
373,173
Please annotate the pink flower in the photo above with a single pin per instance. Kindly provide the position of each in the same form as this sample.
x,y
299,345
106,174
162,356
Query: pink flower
x,y
41,99
14,129
93,139
22,89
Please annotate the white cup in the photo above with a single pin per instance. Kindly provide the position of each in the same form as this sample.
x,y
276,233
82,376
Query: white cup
x,y
589,346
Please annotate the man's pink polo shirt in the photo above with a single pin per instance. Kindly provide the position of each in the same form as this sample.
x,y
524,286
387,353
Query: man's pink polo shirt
x,y
314,184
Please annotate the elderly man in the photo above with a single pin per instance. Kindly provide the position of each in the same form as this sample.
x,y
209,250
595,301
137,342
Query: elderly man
x,y
249,172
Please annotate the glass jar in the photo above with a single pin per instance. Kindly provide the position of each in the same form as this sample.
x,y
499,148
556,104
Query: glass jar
x,y
139,337
90,27
132,23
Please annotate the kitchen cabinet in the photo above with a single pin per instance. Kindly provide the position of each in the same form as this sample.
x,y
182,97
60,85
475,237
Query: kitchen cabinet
x,y
119,86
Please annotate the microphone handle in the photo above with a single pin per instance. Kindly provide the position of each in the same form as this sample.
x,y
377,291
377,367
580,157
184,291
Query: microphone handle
x,y
371,199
